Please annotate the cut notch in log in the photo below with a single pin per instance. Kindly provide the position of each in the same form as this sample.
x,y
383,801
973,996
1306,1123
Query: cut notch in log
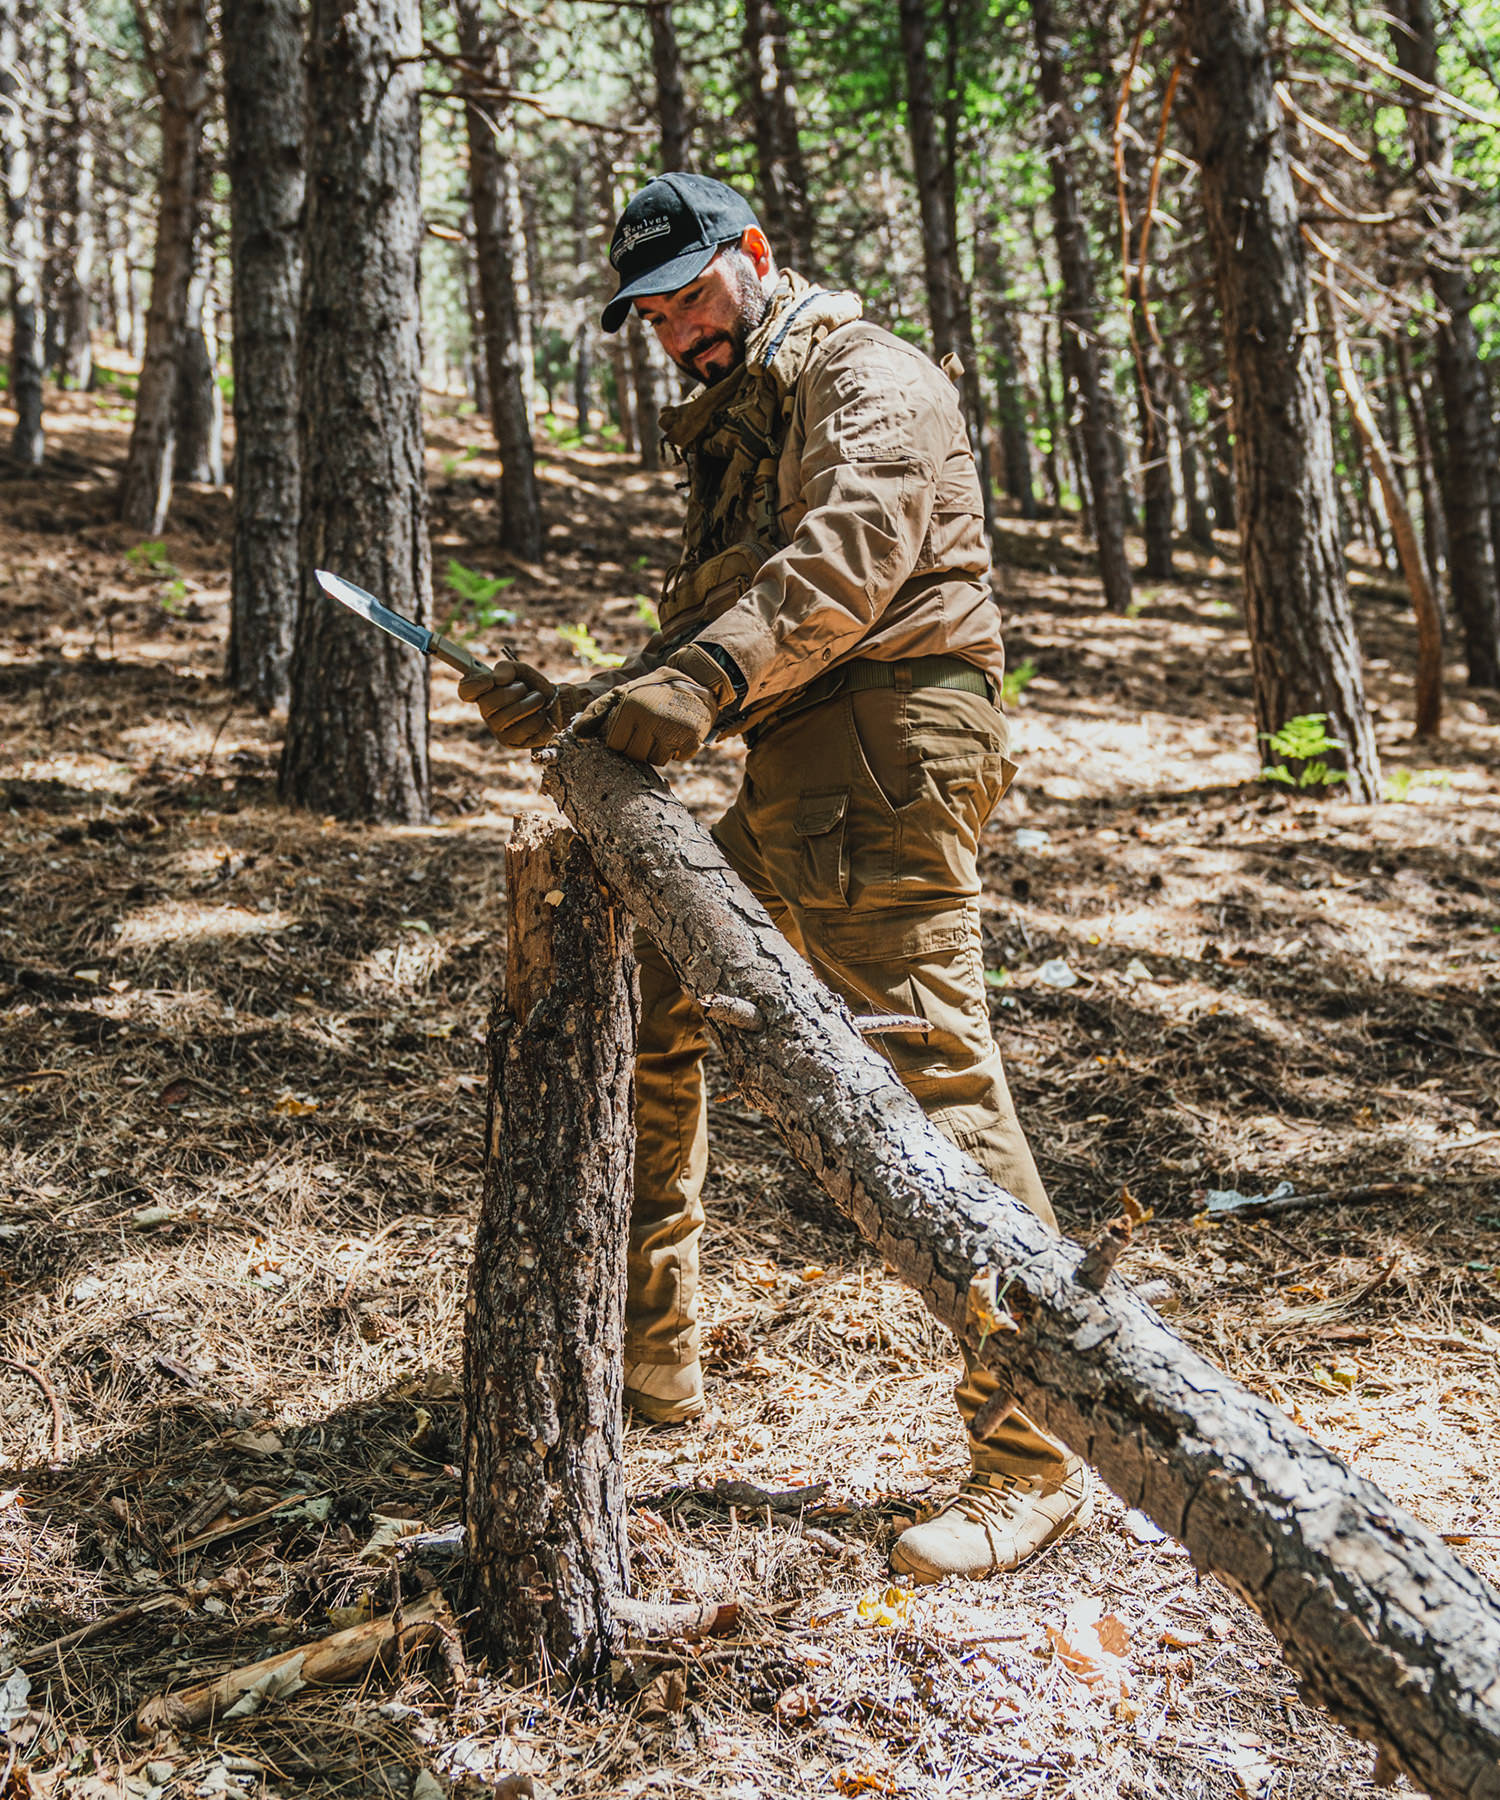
x,y
1388,1630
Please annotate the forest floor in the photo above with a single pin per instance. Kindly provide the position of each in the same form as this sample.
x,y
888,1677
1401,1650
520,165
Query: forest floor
x,y
241,1103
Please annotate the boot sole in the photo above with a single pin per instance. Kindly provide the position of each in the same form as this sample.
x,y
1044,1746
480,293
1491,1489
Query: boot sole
x,y
663,1412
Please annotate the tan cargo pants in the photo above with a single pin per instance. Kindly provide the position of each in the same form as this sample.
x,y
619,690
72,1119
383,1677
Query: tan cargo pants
x,y
857,827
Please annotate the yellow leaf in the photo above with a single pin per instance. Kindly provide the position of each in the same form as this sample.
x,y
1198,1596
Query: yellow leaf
x,y
884,1608
290,1107
813,1271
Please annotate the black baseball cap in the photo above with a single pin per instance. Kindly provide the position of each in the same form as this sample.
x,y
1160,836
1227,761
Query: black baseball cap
x,y
668,234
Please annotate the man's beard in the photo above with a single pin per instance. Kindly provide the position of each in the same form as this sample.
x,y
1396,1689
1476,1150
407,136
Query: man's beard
x,y
752,309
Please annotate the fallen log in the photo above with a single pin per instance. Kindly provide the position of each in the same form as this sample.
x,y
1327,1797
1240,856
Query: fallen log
x,y
343,1657
1387,1629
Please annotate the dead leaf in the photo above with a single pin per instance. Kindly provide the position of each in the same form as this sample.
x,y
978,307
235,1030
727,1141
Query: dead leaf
x,y
291,1106
855,1778
1091,1645
884,1608
665,1696
795,1705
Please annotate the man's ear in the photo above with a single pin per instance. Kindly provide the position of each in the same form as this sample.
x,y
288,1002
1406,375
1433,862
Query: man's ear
x,y
753,243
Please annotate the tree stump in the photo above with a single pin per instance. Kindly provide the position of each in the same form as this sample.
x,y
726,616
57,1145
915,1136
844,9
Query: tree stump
x,y
543,1489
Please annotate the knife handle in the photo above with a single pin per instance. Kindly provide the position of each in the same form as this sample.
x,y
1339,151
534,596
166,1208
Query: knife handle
x,y
456,657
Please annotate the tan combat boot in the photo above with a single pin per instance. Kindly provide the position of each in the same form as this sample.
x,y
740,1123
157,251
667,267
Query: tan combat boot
x,y
664,1393
992,1524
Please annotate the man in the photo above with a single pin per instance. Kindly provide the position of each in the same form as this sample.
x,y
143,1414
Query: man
x,y
832,606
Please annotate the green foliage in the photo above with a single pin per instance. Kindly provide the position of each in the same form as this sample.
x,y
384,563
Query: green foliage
x,y
476,592
581,641
171,597
1015,681
645,611
1411,784
152,555
1304,741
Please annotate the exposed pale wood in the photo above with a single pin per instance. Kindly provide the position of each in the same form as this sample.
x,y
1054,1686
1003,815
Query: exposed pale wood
x,y
327,1662
1388,1630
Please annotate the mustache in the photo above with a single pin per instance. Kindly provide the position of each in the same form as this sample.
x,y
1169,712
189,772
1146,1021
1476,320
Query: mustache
x,y
704,344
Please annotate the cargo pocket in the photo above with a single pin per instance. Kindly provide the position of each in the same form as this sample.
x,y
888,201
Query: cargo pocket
x,y
823,867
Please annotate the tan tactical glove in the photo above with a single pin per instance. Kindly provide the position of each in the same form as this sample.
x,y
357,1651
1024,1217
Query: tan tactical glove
x,y
662,717
520,705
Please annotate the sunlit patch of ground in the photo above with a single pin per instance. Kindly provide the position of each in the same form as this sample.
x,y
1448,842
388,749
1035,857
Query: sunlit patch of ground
x,y
241,1106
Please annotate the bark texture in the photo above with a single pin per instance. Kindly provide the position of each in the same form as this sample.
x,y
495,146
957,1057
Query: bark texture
x,y
25,247
198,435
671,95
1474,557
500,250
1303,651
356,740
544,1494
647,394
778,138
264,96
180,65
1080,319
1389,1631
76,289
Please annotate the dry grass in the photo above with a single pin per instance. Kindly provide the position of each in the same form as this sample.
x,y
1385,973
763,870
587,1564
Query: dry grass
x,y
241,1095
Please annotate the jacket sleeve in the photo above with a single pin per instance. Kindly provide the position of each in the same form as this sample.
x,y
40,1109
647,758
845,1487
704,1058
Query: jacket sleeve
x,y
877,427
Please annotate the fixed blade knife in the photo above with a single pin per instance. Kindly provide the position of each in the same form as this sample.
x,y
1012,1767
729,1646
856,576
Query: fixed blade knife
x,y
430,643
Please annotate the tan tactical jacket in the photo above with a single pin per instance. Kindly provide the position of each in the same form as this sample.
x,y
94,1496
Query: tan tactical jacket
x,y
863,536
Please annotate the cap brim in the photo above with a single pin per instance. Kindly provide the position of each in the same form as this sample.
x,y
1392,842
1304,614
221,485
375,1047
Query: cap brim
x,y
665,278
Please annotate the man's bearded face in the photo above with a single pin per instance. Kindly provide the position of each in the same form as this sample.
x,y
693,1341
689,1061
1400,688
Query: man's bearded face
x,y
704,326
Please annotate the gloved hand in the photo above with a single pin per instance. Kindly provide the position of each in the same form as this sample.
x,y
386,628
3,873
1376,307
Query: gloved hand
x,y
662,717
520,705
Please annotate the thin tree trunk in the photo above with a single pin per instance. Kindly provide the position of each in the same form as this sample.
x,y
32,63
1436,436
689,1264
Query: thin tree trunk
x,y
17,92
500,250
1429,718
1080,322
544,1492
1050,461
1005,348
1160,500
1303,651
356,739
76,348
1387,1628
198,432
1472,567
264,102
583,304
1434,530
1199,519
647,394
778,137
671,97
1221,471
181,72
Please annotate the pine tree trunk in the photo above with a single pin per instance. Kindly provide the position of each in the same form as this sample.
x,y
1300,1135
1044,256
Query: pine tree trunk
x,y
76,349
182,87
198,431
1473,567
17,30
1051,461
500,249
356,739
1080,321
1015,438
1429,710
1434,529
264,100
1387,1629
1303,650
1160,499
778,136
647,394
583,303
1221,472
544,1493
1199,519
671,96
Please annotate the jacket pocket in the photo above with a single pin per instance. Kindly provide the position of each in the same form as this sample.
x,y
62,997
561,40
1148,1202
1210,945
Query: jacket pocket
x,y
823,867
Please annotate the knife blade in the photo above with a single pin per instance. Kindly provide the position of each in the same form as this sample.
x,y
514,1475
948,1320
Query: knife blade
x,y
430,643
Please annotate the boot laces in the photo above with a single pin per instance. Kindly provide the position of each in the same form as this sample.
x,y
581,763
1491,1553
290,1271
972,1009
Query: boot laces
x,y
990,1502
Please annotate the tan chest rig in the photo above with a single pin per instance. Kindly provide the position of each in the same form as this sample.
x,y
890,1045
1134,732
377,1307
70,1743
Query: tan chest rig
x,y
730,437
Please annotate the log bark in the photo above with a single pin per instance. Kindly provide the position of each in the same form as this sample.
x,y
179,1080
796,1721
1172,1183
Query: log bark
x,y
544,1498
1392,1634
